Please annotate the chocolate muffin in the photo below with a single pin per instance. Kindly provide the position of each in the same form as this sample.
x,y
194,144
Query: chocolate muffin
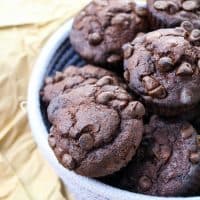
x,y
171,13
100,30
96,128
163,68
73,77
167,161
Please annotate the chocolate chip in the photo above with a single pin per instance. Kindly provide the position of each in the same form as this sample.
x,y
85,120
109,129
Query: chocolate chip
x,y
188,26
82,13
52,141
145,183
172,7
110,14
90,81
73,132
114,58
106,80
48,80
127,75
128,50
150,83
189,5
58,77
68,161
64,143
119,105
165,152
86,141
105,97
198,64
161,5
186,96
135,110
139,110
159,92
120,19
181,30
122,96
195,35
187,132
79,25
165,64
90,128
95,38
195,157
58,152
141,11
184,69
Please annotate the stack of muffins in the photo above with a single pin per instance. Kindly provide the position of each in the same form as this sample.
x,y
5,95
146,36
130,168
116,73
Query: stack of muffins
x,y
137,129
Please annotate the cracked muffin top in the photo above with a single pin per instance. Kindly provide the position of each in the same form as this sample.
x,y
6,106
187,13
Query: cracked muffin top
x,y
96,127
100,30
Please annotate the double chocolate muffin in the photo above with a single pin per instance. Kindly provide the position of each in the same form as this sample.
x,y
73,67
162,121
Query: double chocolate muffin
x,y
171,13
163,67
96,127
167,161
102,27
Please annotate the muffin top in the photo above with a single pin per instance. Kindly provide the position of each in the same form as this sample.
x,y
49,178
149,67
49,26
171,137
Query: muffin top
x,y
73,77
96,128
167,161
100,30
163,67
173,12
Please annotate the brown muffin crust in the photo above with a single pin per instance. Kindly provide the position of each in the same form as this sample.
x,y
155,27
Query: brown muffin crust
x,y
73,77
167,161
96,128
163,67
171,13
100,30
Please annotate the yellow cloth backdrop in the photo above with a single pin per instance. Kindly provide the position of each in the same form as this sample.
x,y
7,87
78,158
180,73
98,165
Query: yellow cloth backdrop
x,y
25,25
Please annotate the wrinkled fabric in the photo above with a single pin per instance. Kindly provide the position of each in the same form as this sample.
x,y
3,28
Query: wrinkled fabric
x,y
25,25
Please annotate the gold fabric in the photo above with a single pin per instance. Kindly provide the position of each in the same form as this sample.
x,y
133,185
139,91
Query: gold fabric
x,y
25,25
